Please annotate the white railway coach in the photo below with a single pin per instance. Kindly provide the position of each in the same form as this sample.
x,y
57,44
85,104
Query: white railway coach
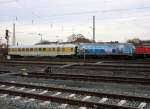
x,y
43,50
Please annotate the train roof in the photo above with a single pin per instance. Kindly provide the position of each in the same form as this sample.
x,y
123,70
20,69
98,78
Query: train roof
x,y
43,46
105,44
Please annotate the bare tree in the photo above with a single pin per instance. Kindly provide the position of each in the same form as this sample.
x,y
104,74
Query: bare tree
x,y
78,38
135,41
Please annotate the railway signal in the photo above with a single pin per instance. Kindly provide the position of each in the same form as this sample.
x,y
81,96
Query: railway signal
x,y
7,39
6,34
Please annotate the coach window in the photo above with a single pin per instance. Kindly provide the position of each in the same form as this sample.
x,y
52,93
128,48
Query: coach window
x,y
35,49
9,49
19,49
49,49
58,49
63,49
53,49
27,49
40,49
71,49
23,49
44,49
14,49
31,49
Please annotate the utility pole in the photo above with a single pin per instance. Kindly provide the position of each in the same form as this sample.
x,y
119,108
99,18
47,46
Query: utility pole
x,y
7,40
14,36
93,29
0,40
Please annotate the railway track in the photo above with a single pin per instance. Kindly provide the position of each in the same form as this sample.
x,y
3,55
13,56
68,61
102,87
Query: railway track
x,y
129,62
115,65
73,96
56,59
91,66
67,61
4,71
102,63
93,60
33,62
95,78
112,67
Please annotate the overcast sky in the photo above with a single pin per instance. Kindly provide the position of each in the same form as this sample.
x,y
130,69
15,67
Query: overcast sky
x,y
57,19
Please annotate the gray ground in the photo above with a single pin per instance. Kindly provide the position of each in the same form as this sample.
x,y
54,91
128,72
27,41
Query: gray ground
x,y
129,89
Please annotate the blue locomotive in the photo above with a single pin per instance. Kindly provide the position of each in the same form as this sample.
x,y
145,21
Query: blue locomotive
x,y
106,49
